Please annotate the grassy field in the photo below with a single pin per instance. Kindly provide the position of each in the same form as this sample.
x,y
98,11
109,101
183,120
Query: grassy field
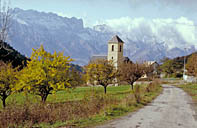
x,y
79,107
68,95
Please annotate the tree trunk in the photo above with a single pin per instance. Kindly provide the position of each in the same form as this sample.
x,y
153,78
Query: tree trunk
x,y
105,89
3,100
44,97
132,86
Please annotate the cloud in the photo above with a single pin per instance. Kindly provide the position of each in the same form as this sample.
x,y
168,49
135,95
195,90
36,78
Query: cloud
x,y
180,32
63,14
177,2
183,3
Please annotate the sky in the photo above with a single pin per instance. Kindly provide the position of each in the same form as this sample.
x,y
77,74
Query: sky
x,y
171,21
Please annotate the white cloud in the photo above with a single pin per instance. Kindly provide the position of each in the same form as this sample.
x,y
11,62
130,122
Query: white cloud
x,y
63,14
180,32
188,4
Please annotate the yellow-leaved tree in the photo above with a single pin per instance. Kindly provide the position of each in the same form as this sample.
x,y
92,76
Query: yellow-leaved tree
x,y
101,72
7,80
45,73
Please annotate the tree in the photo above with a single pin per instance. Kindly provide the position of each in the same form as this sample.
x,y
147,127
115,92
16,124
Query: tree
x,y
45,73
76,78
173,67
191,65
131,72
7,80
167,66
101,72
5,22
5,19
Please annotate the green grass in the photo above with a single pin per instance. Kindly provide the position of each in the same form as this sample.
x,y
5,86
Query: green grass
x,y
68,95
113,112
120,108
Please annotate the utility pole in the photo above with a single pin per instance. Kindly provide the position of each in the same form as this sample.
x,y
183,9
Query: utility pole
x,y
184,63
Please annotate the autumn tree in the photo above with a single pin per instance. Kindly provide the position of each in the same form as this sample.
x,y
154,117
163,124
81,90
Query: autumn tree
x,y
191,65
45,73
101,72
131,72
173,67
7,81
167,66
76,78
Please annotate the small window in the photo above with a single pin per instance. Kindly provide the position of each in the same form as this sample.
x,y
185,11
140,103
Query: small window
x,y
120,48
112,48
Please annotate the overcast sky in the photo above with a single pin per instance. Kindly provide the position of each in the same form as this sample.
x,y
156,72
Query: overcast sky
x,y
94,11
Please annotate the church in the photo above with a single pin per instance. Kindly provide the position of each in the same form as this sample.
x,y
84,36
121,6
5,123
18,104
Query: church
x,y
115,52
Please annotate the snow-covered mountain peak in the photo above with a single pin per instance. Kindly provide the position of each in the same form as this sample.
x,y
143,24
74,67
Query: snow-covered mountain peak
x,y
32,28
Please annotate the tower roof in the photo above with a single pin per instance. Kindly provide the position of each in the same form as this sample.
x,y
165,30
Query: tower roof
x,y
115,39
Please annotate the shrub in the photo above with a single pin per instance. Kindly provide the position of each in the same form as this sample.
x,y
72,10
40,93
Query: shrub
x,y
153,86
137,93
36,113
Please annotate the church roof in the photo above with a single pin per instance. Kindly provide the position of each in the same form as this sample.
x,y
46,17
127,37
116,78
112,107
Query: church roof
x,y
96,57
115,39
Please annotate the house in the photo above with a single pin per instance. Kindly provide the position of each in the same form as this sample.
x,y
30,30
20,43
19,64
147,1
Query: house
x,y
154,66
115,52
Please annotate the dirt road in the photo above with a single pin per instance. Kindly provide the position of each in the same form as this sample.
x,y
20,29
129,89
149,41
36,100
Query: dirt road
x,y
172,109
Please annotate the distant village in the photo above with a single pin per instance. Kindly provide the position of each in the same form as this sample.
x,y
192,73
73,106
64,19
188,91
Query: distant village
x,y
116,52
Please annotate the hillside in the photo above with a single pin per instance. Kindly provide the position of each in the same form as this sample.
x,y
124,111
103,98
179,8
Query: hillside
x,y
9,54
175,67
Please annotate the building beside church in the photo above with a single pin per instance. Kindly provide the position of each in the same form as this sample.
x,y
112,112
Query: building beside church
x,y
154,66
115,52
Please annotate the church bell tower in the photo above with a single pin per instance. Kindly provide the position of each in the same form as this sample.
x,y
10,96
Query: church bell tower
x,y
115,50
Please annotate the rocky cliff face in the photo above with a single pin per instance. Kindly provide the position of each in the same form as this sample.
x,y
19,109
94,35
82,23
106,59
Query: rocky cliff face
x,y
31,28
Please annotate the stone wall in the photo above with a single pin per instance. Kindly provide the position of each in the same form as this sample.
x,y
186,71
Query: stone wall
x,y
190,79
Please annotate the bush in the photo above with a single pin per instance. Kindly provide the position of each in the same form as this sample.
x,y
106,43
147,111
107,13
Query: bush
x,y
137,93
94,103
31,114
153,86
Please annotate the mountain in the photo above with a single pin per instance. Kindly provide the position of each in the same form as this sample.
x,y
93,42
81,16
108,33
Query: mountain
x,y
31,28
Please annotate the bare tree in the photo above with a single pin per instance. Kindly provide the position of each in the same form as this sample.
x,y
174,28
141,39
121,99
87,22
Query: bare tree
x,y
131,72
5,22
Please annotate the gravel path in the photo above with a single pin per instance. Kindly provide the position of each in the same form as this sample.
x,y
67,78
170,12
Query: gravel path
x,y
172,109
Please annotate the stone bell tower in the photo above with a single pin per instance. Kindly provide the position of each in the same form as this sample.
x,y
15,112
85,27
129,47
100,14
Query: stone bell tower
x,y
115,50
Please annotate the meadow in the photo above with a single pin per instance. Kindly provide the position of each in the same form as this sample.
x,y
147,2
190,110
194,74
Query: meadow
x,y
79,107
74,94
